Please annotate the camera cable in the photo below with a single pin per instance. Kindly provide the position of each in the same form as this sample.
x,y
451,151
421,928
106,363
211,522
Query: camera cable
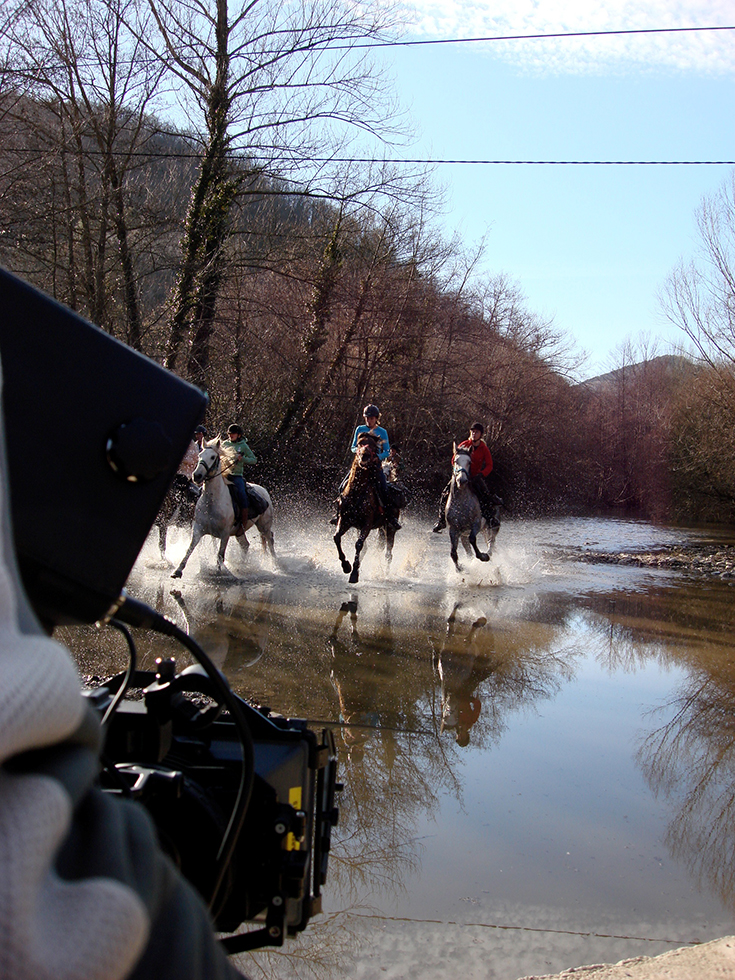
x,y
132,663
137,614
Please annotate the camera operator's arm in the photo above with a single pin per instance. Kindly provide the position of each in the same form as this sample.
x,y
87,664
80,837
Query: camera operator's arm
x,y
85,891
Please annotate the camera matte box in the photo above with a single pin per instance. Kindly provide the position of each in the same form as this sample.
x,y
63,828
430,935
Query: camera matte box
x,y
94,433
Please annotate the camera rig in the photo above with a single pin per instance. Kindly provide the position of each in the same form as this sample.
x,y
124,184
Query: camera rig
x,y
178,751
242,798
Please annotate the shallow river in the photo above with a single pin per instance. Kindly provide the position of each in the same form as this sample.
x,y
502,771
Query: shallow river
x,y
538,754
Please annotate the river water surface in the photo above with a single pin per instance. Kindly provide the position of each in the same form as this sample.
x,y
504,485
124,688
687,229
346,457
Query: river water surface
x,y
538,754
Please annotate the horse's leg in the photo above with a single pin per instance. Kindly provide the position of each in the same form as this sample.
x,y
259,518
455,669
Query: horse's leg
x,y
473,541
390,537
491,534
162,540
358,548
346,567
221,553
270,543
454,541
196,536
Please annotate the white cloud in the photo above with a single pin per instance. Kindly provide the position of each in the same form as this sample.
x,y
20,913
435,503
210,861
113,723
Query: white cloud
x,y
708,52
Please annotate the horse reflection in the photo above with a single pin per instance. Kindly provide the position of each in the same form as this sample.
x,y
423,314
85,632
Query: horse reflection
x,y
231,629
461,667
361,673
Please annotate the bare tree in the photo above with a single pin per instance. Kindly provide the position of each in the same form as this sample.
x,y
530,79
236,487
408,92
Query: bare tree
x,y
275,90
699,295
87,97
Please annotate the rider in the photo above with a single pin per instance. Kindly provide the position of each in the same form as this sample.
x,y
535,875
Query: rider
x,y
183,483
200,434
371,414
236,446
481,464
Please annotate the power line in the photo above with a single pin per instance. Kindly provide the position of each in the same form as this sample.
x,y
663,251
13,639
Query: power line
x,y
530,37
255,162
540,163
537,163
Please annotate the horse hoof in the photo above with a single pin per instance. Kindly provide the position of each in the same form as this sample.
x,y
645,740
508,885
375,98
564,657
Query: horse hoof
x,y
346,567
483,557
177,574
353,579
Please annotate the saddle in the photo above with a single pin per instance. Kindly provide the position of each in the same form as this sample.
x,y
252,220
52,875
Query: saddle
x,y
397,495
256,504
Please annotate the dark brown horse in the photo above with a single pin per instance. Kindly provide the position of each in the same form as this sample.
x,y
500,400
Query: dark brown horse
x,y
359,506
177,509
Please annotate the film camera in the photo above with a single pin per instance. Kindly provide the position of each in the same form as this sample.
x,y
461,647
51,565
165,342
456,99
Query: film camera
x,y
243,799
182,756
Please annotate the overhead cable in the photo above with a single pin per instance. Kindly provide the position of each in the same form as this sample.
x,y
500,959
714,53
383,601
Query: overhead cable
x,y
528,37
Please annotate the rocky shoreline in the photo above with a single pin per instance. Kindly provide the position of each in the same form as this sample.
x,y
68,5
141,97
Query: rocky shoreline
x,y
712,561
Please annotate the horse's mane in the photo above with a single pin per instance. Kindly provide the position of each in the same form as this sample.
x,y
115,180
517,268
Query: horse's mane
x,y
359,469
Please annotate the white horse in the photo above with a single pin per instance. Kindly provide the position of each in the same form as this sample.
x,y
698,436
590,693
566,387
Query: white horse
x,y
214,513
463,512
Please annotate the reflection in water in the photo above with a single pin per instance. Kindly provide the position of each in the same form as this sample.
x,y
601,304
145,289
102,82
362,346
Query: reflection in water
x,y
214,617
461,671
431,684
691,761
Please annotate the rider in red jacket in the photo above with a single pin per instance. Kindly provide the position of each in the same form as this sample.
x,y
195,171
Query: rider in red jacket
x,y
481,464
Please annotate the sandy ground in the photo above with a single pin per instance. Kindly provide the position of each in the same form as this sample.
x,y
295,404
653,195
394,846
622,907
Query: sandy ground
x,y
710,961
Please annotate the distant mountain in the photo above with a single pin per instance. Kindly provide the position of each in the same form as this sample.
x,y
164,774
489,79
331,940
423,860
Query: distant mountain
x,y
669,366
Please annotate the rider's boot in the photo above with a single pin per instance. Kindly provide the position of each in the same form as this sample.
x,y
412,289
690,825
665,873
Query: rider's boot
x,y
392,521
440,524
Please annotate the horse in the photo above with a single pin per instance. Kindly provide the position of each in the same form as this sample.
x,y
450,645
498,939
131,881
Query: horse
x,y
463,512
359,507
177,509
214,513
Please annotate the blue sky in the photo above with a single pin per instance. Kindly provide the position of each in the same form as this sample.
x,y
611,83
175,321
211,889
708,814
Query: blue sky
x,y
590,246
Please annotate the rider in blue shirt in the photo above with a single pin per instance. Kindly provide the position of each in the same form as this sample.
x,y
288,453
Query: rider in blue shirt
x,y
371,414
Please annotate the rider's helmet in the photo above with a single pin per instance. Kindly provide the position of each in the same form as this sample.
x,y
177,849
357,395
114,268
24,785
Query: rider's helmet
x,y
478,425
234,430
371,411
200,428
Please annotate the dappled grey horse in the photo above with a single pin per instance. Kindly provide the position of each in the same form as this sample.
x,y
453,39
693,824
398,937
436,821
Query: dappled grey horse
x,y
214,513
463,512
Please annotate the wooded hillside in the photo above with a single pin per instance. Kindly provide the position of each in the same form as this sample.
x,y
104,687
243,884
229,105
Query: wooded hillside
x,y
239,252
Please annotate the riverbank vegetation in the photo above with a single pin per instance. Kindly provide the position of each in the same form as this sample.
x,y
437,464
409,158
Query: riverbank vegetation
x,y
192,185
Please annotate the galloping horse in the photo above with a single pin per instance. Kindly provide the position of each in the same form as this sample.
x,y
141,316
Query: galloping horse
x,y
214,513
177,509
463,512
360,507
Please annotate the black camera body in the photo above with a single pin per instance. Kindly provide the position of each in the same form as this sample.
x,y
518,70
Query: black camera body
x,y
92,437
94,434
179,754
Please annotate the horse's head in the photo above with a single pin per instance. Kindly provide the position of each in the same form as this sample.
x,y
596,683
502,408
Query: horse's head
x,y
367,449
207,466
461,468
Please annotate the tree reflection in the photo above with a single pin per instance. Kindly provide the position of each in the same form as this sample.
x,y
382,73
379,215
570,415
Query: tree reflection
x,y
691,760
391,768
